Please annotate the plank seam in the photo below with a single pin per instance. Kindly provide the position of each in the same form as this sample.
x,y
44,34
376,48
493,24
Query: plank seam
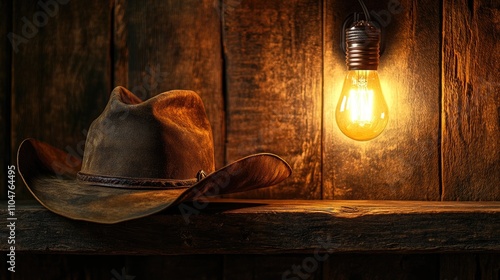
x,y
441,103
225,91
323,134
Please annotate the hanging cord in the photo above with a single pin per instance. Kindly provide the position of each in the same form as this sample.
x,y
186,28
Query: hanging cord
x,y
365,10
353,19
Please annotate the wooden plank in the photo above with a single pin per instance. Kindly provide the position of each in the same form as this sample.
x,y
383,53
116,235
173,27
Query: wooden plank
x,y
179,267
403,162
61,80
471,136
382,266
471,100
471,126
342,266
5,76
270,227
470,266
66,267
172,44
249,267
273,79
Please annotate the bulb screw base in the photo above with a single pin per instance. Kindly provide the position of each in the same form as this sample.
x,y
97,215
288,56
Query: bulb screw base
x,y
362,46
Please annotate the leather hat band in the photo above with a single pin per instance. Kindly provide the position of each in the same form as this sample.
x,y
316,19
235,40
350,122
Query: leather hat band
x,y
136,183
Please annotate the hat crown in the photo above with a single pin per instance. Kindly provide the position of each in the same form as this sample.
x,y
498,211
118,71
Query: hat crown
x,y
167,136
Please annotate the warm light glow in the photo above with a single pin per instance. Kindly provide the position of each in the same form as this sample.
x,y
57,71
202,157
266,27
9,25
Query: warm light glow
x,y
362,112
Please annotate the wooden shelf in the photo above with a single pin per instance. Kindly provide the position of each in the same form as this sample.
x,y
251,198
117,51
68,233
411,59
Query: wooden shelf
x,y
269,227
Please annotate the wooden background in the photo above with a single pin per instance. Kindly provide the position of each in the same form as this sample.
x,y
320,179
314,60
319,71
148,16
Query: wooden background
x,y
270,73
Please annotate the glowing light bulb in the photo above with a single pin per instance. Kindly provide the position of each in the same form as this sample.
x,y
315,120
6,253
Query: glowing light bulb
x,y
362,112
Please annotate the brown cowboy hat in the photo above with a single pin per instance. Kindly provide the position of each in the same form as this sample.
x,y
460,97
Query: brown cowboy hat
x,y
140,158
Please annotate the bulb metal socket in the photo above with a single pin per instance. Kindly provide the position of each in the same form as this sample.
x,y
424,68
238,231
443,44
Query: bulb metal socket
x,y
362,46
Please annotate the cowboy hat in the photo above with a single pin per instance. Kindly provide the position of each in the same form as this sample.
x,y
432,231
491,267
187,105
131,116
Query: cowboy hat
x,y
140,157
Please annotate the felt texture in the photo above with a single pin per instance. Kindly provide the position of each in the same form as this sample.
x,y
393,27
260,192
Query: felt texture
x,y
140,158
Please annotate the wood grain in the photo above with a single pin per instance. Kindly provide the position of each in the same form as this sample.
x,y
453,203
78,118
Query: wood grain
x,y
61,77
403,162
5,87
273,79
471,100
274,53
167,45
471,119
271,227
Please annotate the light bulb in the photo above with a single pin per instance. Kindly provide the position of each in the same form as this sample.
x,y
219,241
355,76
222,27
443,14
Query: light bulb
x,y
362,112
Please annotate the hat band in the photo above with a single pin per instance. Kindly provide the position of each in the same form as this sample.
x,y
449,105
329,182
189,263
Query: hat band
x,y
135,183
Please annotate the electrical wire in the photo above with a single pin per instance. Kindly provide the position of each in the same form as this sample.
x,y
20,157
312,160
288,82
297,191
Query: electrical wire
x,y
365,10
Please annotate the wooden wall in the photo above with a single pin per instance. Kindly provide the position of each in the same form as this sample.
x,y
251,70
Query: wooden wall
x,y
270,73
270,83
471,100
403,163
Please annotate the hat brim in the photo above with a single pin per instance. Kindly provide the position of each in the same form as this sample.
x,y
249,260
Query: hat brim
x,y
50,175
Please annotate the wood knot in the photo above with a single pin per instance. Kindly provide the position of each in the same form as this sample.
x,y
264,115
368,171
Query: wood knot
x,y
348,209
